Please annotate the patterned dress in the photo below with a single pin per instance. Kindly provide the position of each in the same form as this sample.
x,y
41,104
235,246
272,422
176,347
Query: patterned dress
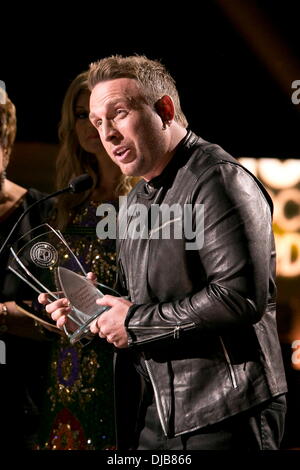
x,y
79,410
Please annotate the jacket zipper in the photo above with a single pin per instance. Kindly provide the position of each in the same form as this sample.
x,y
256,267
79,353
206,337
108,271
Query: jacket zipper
x,y
230,366
122,276
156,394
175,332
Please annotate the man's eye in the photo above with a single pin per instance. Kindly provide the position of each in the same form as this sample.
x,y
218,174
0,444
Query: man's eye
x,y
121,113
98,123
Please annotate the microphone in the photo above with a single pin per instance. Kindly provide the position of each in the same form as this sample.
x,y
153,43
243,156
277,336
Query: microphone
x,y
77,185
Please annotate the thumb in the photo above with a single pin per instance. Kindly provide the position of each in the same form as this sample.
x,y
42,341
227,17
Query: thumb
x,y
91,276
108,300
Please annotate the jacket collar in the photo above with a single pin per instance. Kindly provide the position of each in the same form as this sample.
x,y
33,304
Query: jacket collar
x,y
179,159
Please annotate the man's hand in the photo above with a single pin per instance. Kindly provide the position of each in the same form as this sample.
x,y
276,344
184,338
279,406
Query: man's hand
x,y
59,309
110,324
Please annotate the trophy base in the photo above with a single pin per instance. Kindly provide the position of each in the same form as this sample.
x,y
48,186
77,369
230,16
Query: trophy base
x,y
84,330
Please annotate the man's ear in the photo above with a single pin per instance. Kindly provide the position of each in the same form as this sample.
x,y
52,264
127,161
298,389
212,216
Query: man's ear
x,y
165,108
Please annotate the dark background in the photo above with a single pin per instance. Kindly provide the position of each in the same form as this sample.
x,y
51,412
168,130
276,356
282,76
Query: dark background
x,y
233,60
230,93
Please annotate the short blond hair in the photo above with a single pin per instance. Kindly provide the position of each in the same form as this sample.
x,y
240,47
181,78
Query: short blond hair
x,y
152,75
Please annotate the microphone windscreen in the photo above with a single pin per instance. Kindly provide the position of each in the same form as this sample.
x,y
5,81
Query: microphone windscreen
x,y
81,183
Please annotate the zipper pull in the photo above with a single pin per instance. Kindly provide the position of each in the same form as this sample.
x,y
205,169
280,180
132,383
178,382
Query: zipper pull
x,y
121,276
176,332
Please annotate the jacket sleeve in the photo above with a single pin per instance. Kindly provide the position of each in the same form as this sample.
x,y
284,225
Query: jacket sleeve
x,y
237,258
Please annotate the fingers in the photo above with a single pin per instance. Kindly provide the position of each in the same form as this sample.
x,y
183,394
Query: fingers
x,y
111,337
59,309
61,321
91,277
108,300
43,299
60,313
57,304
94,327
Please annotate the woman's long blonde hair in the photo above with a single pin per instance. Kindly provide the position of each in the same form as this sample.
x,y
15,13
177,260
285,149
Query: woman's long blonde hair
x,y
73,160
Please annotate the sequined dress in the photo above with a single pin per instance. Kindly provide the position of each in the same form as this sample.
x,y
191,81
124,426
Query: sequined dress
x,y
79,411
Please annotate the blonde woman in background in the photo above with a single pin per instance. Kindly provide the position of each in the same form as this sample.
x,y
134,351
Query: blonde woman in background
x,y
79,410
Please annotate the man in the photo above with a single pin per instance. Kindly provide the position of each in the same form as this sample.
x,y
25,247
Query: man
x,y
198,351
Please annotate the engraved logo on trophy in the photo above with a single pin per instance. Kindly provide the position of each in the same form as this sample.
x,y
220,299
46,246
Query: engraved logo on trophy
x,y
44,254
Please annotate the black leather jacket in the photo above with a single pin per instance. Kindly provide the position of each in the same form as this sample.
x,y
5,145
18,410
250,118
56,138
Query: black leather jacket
x,y
203,319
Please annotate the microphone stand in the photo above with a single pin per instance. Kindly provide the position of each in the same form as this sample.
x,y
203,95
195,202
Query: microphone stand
x,y
49,196
77,185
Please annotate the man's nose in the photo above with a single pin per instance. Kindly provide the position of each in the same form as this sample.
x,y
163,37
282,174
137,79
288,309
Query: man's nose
x,y
109,130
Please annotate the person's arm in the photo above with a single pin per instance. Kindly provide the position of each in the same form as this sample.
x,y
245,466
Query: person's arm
x,y
13,321
235,257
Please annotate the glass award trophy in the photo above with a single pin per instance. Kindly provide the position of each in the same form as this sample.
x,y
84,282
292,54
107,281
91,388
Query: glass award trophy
x,y
43,259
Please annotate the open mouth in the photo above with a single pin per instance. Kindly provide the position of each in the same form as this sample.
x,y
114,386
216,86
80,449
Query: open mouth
x,y
122,153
